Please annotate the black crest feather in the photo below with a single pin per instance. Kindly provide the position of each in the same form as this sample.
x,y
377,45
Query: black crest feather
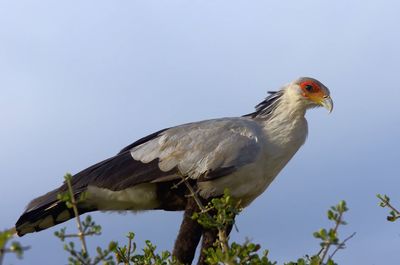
x,y
267,106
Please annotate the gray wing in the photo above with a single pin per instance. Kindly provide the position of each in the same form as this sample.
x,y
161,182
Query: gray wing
x,y
204,149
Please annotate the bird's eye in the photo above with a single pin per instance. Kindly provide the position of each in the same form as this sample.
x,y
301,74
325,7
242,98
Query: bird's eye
x,y
309,88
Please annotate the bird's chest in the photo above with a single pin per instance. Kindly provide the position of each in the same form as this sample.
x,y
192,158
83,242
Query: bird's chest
x,y
278,144
281,145
278,149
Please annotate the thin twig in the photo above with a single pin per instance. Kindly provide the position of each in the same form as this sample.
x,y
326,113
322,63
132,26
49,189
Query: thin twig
x,y
84,233
193,194
175,186
223,240
326,249
79,258
129,250
81,234
341,245
101,257
320,251
4,251
388,204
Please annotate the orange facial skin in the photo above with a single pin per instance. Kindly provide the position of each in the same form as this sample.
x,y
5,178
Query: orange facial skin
x,y
313,91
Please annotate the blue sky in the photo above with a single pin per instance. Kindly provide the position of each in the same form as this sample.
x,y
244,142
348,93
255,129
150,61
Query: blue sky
x,y
79,80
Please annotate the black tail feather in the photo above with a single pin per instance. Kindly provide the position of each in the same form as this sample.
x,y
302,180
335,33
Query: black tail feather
x,y
45,212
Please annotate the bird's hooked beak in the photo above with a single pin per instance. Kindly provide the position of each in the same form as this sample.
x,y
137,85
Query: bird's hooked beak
x,y
327,103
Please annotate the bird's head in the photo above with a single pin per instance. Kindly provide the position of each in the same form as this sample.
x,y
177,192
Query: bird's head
x,y
301,94
312,93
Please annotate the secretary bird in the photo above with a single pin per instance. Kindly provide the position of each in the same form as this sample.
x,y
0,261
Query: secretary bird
x,y
242,154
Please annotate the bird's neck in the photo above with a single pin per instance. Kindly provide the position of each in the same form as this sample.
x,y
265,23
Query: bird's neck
x,y
287,120
288,107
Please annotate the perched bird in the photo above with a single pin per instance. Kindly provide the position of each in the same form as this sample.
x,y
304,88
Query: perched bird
x,y
242,154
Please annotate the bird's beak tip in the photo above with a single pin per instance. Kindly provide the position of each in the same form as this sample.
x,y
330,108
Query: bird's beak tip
x,y
328,104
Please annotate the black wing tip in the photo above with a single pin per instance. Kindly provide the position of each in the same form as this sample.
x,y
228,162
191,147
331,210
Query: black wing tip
x,y
48,206
46,216
38,210
29,221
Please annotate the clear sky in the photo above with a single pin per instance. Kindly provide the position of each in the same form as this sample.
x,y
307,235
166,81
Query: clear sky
x,y
79,80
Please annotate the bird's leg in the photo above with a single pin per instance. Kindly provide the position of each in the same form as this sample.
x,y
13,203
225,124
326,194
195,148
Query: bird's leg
x,y
210,236
189,234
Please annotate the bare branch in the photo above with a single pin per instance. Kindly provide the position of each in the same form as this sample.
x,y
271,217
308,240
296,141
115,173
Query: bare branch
x,y
193,194
341,245
81,233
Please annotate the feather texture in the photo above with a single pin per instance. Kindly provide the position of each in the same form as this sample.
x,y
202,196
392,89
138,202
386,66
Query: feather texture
x,y
196,149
